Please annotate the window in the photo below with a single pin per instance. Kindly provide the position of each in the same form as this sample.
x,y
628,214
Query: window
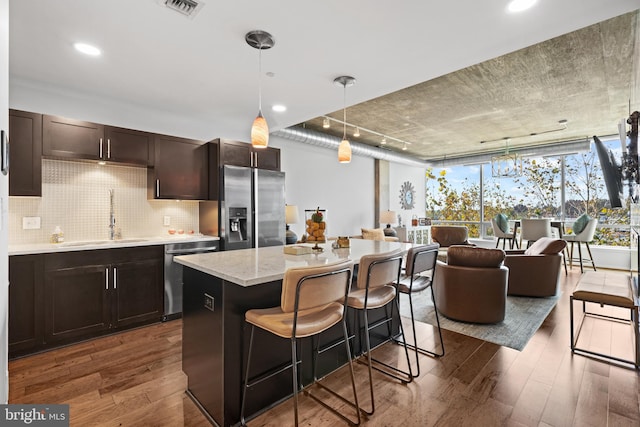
x,y
455,195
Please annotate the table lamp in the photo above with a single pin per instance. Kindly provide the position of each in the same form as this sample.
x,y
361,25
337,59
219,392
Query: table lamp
x,y
388,217
291,217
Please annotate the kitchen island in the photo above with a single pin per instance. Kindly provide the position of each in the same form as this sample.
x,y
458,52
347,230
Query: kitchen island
x,y
218,289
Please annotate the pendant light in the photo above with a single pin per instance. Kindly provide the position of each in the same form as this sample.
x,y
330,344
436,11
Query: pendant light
x,y
260,130
344,149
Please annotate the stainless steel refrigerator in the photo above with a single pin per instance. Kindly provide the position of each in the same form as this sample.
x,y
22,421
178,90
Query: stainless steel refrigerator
x,y
251,208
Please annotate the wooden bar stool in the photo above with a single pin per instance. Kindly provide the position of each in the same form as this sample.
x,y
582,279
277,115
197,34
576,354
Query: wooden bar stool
x,y
313,300
376,287
419,260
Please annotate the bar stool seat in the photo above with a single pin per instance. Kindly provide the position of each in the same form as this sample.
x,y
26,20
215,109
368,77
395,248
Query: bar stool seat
x,y
313,300
378,297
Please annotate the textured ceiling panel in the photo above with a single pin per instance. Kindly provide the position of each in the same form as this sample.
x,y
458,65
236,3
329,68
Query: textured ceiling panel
x,y
585,77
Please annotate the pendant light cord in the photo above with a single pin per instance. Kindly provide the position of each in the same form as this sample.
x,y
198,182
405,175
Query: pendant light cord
x,y
344,115
260,80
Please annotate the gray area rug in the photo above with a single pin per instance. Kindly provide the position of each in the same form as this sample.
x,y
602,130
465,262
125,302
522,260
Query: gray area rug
x,y
523,317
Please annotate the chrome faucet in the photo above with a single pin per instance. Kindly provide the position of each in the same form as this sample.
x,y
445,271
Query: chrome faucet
x,y
112,217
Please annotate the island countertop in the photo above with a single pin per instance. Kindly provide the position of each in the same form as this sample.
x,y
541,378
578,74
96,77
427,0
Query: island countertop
x,y
247,267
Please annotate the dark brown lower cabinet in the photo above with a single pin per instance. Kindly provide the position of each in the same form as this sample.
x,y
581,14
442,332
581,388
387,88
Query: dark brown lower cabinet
x,y
138,291
72,296
26,297
77,300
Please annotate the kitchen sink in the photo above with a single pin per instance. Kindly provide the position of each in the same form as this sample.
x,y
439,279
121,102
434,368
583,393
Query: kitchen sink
x,y
101,242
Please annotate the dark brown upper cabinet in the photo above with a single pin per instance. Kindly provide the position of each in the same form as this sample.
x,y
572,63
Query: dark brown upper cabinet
x,y
128,146
181,169
25,152
66,138
236,153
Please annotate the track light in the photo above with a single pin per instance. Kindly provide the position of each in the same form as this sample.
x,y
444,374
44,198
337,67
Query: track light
x,y
404,147
326,124
384,141
356,133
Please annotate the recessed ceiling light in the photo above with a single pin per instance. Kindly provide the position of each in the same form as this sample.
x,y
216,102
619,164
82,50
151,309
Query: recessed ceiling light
x,y
87,49
279,108
520,5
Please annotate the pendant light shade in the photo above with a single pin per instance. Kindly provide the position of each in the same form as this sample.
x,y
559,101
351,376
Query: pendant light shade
x,y
344,149
344,152
260,130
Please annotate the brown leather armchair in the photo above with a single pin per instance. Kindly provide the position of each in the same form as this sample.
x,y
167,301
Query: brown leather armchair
x,y
536,271
449,235
472,286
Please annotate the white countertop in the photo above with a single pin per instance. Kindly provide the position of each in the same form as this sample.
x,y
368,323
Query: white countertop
x,y
247,267
40,248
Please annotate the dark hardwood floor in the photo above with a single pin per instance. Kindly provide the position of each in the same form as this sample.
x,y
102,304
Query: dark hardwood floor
x,y
135,379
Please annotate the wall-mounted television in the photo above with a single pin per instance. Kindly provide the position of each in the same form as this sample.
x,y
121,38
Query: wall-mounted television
x,y
611,172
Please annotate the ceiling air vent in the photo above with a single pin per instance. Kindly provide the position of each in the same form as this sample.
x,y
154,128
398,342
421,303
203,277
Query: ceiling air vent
x,y
186,7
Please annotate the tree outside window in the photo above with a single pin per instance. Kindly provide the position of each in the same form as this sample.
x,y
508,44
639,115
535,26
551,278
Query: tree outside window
x,y
453,194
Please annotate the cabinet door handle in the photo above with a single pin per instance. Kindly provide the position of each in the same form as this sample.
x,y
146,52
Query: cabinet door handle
x,y
157,188
106,279
115,278
100,154
108,148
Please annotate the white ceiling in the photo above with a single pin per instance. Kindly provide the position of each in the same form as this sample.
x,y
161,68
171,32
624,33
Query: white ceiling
x,y
201,72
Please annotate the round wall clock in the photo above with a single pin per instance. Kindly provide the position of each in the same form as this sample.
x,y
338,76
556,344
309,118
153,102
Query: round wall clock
x,y
407,196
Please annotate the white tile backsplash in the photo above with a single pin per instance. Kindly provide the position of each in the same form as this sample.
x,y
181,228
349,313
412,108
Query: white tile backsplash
x,y
75,196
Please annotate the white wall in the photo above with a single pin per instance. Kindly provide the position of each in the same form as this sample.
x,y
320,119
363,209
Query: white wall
x,y
313,177
4,201
45,100
398,174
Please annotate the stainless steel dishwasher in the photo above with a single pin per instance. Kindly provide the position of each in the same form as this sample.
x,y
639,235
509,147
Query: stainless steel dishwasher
x,y
173,273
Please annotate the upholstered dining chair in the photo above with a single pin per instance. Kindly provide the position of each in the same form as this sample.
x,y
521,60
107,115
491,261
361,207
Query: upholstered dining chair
x,y
421,259
534,228
313,300
585,236
504,235
376,287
